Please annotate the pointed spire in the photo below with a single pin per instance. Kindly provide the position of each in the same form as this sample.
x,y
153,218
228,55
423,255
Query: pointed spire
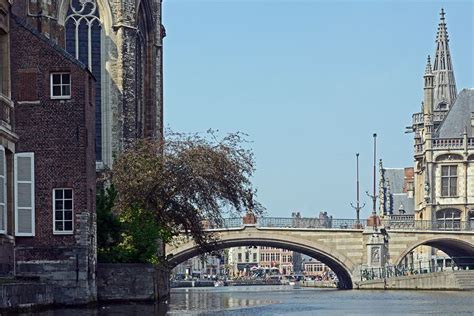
x,y
444,84
428,69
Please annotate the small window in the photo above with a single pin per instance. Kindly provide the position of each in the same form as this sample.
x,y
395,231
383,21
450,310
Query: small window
x,y
63,211
60,86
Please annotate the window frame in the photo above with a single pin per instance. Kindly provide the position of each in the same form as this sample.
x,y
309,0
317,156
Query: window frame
x,y
61,85
4,231
31,155
53,201
449,178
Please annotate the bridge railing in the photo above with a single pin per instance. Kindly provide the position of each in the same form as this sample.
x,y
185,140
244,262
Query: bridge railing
x,y
308,222
418,267
444,225
406,222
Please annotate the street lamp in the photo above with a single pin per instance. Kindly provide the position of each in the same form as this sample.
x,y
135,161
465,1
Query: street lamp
x,y
357,207
374,196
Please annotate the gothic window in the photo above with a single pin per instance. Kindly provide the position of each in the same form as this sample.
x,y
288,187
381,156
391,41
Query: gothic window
x,y
448,219
449,181
4,71
83,41
140,73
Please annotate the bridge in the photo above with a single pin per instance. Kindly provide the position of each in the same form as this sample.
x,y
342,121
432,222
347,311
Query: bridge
x,y
344,245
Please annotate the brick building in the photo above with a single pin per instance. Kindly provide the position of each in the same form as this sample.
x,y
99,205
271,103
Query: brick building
x,y
54,164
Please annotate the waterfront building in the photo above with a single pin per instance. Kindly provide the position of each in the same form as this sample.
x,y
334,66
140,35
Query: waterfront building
x,y
282,259
241,260
205,266
438,190
443,143
8,140
54,167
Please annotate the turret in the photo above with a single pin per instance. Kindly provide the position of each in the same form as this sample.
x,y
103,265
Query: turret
x,y
428,89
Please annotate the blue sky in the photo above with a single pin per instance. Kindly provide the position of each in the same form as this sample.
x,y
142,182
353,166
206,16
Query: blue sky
x,y
309,81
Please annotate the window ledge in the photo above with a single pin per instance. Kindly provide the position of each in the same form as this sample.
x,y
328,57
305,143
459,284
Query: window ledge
x,y
63,233
449,197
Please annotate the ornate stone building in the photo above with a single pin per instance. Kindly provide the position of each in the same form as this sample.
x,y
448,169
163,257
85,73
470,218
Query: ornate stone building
x,y
121,43
444,145
8,140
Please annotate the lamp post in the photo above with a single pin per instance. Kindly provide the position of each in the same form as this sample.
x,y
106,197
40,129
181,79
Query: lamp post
x,y
357,207
374,196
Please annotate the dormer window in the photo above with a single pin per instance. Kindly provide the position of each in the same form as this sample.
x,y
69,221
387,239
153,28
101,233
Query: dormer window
x,y
443,106
60,85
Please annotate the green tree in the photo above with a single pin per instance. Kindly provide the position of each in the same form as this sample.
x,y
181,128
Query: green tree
x,y
185,182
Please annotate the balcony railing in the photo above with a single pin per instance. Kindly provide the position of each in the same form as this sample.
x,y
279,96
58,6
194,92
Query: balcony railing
x,y
438,116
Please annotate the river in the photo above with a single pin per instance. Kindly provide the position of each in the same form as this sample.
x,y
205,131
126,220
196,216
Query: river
x,y
284,300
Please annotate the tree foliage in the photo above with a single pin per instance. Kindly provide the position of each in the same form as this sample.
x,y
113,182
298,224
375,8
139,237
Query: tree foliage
x,y
129,236
187,181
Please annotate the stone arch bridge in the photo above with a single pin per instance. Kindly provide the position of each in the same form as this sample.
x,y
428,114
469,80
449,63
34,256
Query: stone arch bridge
x,y
346,250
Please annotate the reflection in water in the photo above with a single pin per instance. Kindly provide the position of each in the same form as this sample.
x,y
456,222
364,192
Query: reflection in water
x,y
284,300
209,299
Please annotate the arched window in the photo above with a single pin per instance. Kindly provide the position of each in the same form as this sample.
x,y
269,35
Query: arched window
x,y
83,41
448,219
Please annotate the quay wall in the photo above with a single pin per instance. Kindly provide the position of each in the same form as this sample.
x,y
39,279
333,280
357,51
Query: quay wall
x,y
21,295
447,280
131,282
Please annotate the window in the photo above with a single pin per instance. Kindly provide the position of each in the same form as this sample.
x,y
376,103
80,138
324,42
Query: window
x,y
239,256
63,211
24,194
254,257
4,65
448,219
449,180
3,192
60,86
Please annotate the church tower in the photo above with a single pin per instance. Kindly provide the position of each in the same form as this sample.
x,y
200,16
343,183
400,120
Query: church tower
x,y
444,84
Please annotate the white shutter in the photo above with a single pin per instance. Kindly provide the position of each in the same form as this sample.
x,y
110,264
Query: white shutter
x,y
24,194
3,192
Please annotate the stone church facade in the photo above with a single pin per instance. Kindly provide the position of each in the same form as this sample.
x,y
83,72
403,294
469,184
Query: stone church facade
x,y
444,145
121,43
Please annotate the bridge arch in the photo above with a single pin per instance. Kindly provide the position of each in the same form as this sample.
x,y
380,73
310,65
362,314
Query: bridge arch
x,y
337,262
453,247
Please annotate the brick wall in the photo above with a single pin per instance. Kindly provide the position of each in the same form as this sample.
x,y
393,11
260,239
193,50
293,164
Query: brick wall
x,y
61,135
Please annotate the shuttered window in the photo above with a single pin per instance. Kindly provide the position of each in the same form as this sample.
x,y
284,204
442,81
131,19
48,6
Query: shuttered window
x,y
24,194
3,192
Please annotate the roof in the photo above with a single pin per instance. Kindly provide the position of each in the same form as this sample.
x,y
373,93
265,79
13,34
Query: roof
x,y
50,42
458,117
396,176
403,199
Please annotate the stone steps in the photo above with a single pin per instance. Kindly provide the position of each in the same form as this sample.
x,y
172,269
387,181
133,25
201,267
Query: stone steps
x,y
465,279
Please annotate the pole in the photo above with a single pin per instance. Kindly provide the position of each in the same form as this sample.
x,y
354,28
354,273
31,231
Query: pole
x,y
374,196
357,207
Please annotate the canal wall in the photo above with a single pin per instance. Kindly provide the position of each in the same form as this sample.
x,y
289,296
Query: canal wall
x,y
16,295
447,280
131,282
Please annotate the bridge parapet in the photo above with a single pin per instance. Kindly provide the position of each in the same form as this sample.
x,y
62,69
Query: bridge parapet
x,y
395,222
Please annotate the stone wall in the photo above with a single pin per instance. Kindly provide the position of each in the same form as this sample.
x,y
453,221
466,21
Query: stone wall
x,y
23,295
132,281
433,281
